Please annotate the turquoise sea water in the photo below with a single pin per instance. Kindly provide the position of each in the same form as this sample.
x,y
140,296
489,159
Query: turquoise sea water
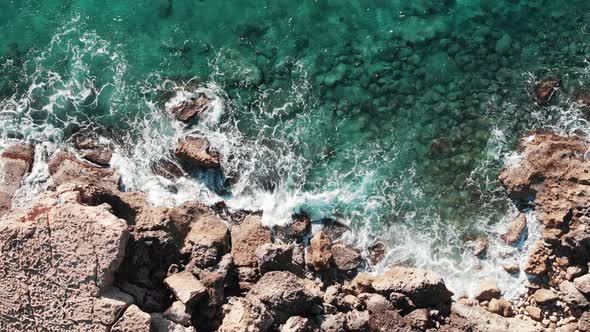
x,y
392,116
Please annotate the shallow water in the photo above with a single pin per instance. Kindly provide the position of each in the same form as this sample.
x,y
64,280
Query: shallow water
x,y
391,116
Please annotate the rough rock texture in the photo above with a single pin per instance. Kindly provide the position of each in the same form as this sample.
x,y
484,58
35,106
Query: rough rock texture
x,y
584,322
244,315
583,284
284,295
187,110
15,163
133,320
90,148
516,230
572,295
67,168
274,257
198,152
543,296
159,323
320,254
296,324
246,238
345,257
479,246
57,258
545,89
468,318
538,262
186,287
488,290
423,288
207,240
179,313
500,307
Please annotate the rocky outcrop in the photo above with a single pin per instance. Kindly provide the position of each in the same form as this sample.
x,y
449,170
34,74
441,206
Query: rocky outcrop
x,y
246,238
58,258
15,162
187,110
91,148
516,230
197,151
67,168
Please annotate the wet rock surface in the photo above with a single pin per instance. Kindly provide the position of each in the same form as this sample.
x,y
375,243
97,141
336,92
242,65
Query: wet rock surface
x,y
197,152
16,162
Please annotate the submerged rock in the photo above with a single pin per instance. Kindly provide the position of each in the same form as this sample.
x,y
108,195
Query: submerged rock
x,y
198,152
187,110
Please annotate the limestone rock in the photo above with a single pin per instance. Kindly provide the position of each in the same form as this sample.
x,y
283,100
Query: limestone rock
x,y
488,290
133,320
538,262
284,295
111,305
58,256
186,287
207,240
187,110
583,284
274,257
516,230
345,257
15,162
543,296
198,152
423,288
296,324
320,254
245,315
178,313
584,322
246,238
572,296
159,323
67,168
534,312
500,307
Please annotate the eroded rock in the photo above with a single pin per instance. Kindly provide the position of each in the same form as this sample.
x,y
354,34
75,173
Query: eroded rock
x,y
133,320
246,238
516,230
198,152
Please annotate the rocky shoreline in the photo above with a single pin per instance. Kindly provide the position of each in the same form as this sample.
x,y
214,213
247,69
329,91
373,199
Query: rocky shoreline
x,y
88,256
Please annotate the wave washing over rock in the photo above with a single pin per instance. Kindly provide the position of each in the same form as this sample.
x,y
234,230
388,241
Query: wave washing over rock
x,y
294,166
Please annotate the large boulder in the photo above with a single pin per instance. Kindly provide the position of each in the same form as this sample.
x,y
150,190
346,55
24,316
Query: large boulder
x,y
197,151
207,240
246,238
274,257
572,296
188,109
67,168
345,257
516,230
186,287
320,253
245,315
284,295
15,163
423,288
91,148
538,262
59,254
133,320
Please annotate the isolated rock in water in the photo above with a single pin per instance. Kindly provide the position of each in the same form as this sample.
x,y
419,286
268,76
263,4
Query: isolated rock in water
x,y
244,315
66,168
246,238
345,257
572,296
133,320
296,324
538,262
198,152
58,254
423,288
320,254
15,162
515,231
284,295
90,148
479,246
186,287
167,169
376,252
488,290
500,307
583,284
207,240
274,257
187,110
544,296
546,88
